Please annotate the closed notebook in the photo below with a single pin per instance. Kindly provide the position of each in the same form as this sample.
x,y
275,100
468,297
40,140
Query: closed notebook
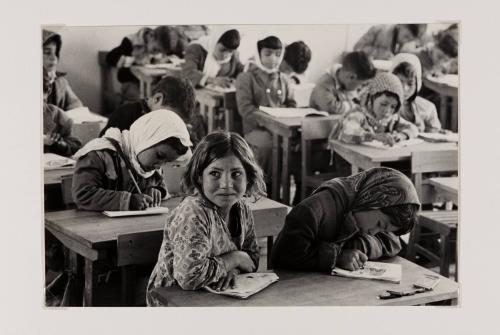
x,y
147,211
220,89
373,270
292,112
398,145
438,137
248,284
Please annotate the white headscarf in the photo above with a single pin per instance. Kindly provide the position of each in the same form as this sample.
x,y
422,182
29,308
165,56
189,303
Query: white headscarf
x,y
212,66
255,59
148,130
414,62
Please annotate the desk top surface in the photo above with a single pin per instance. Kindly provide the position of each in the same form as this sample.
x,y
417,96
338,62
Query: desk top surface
x,y
318,289
94,229
389,155
447,183
52,177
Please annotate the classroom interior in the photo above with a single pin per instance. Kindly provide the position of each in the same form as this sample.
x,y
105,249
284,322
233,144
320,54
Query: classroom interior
x,y
107,261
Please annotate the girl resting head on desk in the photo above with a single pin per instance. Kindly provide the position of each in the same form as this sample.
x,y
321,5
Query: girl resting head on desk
x,y
121,170
209,237
378,118
348,221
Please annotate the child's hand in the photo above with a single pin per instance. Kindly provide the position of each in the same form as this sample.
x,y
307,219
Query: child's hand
x,y
226,282
398,137
155,194
384,138
351,259
245,262
139,202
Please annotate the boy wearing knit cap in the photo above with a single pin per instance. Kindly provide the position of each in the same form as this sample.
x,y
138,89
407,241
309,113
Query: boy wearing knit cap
x,y
378,118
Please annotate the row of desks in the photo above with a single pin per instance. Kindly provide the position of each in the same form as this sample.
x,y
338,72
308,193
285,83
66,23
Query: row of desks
x,y
93,236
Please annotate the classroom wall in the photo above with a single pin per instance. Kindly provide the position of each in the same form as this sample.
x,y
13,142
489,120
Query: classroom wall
x,y
81,45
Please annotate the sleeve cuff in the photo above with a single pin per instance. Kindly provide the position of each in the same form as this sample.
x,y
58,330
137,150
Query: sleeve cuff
x,y
203,80
125,201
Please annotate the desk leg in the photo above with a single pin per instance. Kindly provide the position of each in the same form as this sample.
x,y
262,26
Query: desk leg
x,y
128,285
269,249
228,119
285,177
148,90
275,162
90,281
141,88
210,119
75,266
454,114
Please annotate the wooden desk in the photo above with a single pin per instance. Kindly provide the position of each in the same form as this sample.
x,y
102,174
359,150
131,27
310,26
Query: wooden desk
x,y
446,89
446,187
365,157
54,177
282,130
93,235
318,289
211,101
148,75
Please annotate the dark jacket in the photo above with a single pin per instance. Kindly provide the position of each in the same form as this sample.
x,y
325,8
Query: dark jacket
x,y
101,182
62,95
316,231
56,121
123,117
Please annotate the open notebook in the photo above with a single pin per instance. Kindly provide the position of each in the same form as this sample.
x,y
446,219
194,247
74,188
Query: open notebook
x,y
53,161
147,211
448,79
402,144
220,89
248,284
373,270
438,137
292,112
83,114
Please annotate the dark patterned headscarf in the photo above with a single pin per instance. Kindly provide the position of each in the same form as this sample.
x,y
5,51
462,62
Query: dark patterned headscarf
x,y
375,188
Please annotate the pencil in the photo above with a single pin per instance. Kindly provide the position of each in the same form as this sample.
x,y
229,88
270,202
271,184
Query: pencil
x,y
133,180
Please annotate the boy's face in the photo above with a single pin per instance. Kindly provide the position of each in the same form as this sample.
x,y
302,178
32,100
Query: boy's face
x,y
409,85
270,58
404,35
221,53
374,221
154,157
351,82
384,106
49,57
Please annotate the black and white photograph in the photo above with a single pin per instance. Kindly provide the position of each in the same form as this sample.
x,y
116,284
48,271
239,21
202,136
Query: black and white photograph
x,y
220,165
249,167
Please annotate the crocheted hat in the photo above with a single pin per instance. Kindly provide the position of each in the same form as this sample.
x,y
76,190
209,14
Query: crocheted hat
x,y
383,82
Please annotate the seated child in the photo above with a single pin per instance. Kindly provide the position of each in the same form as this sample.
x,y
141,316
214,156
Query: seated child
x,y
378,118
170,93
348,221
262,84
383,41
337,90
120,171
296,59
61,94
141,48
210,236
417,110
213,59
56,126
440,56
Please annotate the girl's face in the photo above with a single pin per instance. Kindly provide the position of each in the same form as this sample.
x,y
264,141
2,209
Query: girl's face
x,y
154,157
49,57
270,58
224,182
384,106
404,35
221,53
409,86
374,221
